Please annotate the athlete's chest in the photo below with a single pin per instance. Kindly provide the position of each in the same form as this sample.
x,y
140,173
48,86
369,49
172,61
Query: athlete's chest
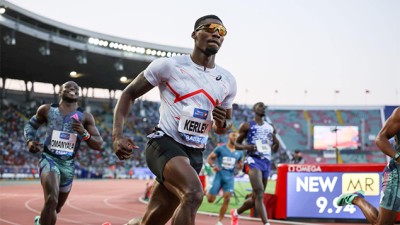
x,y
187,80
58,121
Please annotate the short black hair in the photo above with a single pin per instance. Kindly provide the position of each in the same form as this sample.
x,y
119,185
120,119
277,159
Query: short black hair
x,y
258,103
198,21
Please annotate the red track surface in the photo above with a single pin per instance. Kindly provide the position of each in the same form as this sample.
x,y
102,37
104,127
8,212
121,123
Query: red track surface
x,y
91,202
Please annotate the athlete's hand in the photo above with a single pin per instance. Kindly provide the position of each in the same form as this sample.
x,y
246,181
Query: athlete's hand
x,y
123,147
219,115
216,168
77,126
251,148
34,146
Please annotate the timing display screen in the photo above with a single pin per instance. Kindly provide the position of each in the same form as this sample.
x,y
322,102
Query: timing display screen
x,y
314,195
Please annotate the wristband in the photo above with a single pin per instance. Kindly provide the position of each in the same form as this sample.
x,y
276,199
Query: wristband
x,y
86,135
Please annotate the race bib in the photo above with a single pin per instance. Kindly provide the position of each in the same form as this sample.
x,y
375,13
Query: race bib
x,y
228,163
265,149
63,143
195,124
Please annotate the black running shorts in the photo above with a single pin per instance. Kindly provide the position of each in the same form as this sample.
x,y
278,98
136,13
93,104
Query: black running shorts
x,y
161,149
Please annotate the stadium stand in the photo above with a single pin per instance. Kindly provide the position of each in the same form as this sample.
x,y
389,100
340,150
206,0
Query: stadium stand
x,y
26,35
291,125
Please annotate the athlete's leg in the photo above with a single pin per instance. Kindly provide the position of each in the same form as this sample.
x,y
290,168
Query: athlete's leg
x,y
383,216
62,198
215,188
257,186
257,183
181,179
161,206
225,204
210,197
390,201
386,216
50,184
247,204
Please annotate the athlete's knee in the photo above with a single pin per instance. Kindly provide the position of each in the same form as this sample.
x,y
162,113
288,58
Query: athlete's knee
x,y
210,198
51,201
258,193
193,198
227,198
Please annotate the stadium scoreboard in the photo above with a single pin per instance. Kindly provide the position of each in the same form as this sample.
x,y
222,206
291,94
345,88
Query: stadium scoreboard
x,y
311,191
319,192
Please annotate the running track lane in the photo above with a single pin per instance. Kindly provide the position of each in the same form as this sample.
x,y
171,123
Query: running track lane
x,y
91,202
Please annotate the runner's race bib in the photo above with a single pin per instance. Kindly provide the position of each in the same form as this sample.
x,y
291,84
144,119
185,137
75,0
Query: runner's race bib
x,y
228,163
62,143
264,149
194,125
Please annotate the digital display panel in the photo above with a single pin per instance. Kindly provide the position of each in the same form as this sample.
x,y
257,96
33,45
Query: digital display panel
x,y
318,193
331,137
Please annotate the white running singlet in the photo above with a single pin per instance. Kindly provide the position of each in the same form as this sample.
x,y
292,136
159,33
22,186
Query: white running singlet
x,y
188,95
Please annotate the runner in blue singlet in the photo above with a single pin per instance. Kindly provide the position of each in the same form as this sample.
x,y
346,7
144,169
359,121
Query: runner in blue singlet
x,y
261,142
227,159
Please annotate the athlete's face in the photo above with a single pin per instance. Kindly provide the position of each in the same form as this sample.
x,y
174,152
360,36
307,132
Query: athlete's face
x,y
207,41
232,137
260,109
69,92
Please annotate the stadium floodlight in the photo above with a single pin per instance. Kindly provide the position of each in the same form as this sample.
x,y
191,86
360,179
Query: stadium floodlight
x,y
44,49
124,80
74,74
82,58
9,38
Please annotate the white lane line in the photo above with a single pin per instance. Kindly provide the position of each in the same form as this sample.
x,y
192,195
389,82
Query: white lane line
x,y
27,202
9,222
69,203
58,216
111,205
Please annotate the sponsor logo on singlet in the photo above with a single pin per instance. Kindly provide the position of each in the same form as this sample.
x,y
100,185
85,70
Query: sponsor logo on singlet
x,y
200,113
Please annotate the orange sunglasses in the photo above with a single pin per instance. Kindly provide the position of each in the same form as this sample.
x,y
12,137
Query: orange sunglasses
x,y
212,27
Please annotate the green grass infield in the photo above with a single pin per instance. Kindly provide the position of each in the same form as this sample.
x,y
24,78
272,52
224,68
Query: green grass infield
x,y
242,189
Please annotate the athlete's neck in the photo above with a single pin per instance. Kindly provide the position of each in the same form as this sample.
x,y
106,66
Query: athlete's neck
x,y
203,60
230,146
259,120
67,107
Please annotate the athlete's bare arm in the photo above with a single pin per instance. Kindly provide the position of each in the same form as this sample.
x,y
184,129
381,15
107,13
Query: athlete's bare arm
x,y
95,141
123,146
34,123
210,160
391,128
275,141
243,129
41,113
